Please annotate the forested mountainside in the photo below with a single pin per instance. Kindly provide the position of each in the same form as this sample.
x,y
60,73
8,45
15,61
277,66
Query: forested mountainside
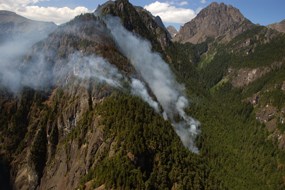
x,y
102,103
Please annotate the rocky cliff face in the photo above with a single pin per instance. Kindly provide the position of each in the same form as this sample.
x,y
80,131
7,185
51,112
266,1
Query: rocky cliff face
x,y
278,26
138,20
216,20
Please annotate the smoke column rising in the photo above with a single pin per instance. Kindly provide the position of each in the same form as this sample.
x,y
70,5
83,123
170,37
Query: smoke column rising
x,y
139,89
160,79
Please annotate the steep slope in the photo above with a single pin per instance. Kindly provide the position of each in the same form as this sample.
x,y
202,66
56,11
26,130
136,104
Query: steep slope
x,y
57,134
250,50
242,124
13,26
250,70
278,26
216,20
54,89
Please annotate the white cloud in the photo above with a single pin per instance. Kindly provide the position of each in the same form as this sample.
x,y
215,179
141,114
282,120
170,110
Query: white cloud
x,y
203,1
54,14
170,13
28,9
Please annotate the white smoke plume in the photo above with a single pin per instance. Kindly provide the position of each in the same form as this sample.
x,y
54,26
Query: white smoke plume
x,y
139,89
38,73
95,67
159,78
11,53
88,67
42,72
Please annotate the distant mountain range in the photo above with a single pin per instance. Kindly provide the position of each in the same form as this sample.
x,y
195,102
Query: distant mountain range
x,y
16,26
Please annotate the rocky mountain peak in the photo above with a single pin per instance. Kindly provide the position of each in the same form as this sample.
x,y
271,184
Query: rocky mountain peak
x,y
138,20
224,10
214,21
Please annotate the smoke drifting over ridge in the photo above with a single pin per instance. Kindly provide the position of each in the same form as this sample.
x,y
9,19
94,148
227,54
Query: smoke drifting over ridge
x,y
159,78
94,67
40,73
139,89
11,53
87,67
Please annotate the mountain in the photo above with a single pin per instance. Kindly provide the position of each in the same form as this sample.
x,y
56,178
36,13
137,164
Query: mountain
x,y
138,20
15,26
241,84
172,30
278,26
60,118
216,20
102,102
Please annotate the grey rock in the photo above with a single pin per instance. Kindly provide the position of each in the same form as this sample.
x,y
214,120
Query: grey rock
x,y
216,20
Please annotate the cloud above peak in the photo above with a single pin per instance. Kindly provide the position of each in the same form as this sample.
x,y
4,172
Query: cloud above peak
x,y
171,13
30,9
54,14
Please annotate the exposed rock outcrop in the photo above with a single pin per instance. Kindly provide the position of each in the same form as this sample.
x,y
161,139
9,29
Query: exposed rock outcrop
x,y
138,20
216,20
245,76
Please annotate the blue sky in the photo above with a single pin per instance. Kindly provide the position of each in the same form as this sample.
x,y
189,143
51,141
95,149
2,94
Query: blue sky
x,y
175,12
260,11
